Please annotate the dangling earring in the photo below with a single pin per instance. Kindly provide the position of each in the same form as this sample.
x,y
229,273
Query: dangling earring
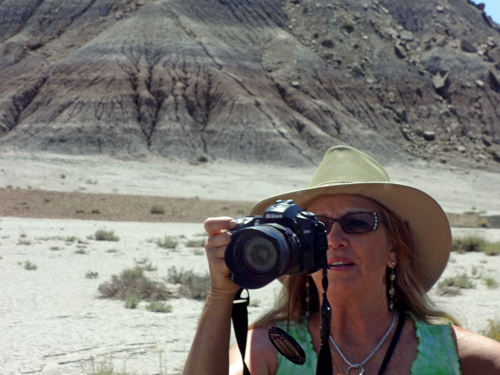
x,y
392,291
308,297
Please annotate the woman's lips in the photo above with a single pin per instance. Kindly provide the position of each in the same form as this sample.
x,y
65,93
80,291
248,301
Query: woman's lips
x,y
340,264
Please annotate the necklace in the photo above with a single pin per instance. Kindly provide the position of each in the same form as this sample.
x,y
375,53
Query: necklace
x,y
360,365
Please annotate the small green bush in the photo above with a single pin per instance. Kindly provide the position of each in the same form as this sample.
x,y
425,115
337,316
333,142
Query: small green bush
x,y
132,301
91,275
490,283
461,281
192,285
146,264
468,243
30,266
492,248
196,243
133,281
159,306
104,235
157,209
167,242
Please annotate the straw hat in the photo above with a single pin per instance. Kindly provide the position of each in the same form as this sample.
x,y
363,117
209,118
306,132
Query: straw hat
x,y
345,170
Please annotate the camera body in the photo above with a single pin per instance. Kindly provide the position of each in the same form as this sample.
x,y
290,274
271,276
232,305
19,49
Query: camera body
x,y
284,240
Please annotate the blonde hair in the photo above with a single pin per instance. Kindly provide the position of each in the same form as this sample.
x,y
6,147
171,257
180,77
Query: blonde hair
x,y
410,293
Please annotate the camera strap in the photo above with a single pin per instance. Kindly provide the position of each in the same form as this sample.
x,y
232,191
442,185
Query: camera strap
x,y
240,324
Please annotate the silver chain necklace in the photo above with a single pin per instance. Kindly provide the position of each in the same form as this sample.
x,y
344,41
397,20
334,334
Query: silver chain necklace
x,y
360,365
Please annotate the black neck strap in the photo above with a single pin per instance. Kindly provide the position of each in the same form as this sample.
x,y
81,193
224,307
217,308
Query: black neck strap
x,y
394,342
240,324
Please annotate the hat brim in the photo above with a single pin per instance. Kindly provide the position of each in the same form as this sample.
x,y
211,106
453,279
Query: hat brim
x,y
428,223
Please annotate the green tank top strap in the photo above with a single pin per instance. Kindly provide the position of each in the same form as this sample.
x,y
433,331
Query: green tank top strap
x,y
437,354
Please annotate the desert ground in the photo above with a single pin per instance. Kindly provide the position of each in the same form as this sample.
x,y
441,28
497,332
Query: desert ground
x,y
53,319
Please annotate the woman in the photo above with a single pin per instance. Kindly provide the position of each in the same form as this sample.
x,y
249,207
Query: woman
x,y
387,246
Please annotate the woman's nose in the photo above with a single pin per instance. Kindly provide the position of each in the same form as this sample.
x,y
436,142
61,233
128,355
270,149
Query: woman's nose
x,y
337,237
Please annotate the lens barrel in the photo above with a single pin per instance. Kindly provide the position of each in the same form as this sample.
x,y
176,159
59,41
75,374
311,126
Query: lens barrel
x,y
258,255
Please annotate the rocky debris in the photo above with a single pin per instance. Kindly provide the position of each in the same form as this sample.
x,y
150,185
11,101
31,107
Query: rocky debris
x,y
255,81
400,51
429,135
439,80
468,46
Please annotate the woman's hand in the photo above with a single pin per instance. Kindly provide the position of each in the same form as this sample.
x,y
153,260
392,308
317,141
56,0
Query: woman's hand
x,y
215,247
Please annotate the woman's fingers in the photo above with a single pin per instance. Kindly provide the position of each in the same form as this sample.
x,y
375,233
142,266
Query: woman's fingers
x,y
218,239
217,225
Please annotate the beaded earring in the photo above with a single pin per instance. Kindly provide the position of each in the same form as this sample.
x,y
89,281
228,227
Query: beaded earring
x,y
392,291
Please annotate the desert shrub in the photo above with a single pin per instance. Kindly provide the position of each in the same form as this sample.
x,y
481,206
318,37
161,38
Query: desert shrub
x,y
192,285
483,223
24,242
146,264
468,243
157,209
101,367
159,306
133,281
167,242
104,235
91,275
81,251
30,266
196,243
493,330
132,300
461,281
492,248
490,283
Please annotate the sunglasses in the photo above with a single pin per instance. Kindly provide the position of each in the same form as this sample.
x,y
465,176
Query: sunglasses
x,y
356,222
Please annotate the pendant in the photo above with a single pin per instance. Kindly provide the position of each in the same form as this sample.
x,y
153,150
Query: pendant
x,y
356,365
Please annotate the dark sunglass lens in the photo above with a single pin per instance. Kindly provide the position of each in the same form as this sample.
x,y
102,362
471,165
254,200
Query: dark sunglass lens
x,y
361,222
326,221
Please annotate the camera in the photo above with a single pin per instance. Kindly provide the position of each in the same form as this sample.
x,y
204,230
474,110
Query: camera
x,y
284,240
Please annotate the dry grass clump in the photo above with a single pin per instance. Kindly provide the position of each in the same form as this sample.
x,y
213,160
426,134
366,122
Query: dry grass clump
x,y
452,285
167,242
159,307
192,285
104,235
30,266
492,248
196,243
157,209
468,243
133,282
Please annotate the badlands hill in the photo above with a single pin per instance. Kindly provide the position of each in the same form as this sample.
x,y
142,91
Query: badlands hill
x,y
266,81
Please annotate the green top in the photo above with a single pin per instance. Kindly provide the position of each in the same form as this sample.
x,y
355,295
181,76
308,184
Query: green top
x,y
436,355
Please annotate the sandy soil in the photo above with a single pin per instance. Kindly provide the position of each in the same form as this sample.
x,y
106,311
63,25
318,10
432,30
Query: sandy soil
x,y
53,321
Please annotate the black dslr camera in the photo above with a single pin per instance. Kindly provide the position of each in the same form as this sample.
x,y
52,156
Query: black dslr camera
x,y
284,240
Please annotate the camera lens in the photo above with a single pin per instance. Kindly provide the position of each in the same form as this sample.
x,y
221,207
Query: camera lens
x,y
259,255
